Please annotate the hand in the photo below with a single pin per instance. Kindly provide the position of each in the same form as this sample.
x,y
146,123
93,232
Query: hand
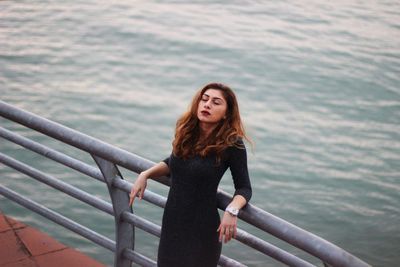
x,y
138,187
227,227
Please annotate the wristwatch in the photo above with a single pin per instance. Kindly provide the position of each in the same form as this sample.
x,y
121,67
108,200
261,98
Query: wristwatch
x,y
232,210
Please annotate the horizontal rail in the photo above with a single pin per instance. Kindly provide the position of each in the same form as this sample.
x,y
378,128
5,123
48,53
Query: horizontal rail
x,y
52,154
316,246
76,193
59,219
271,250
79,140
141,223
138,258
73,163
57,184
228,262
154,198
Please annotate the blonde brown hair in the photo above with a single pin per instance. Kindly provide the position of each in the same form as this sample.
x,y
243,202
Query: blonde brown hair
x,y
187,143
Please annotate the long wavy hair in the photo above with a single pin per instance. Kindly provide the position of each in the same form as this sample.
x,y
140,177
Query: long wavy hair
x,y
188,144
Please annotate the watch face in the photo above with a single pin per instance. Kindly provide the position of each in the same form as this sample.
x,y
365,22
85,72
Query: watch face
x,y
233,211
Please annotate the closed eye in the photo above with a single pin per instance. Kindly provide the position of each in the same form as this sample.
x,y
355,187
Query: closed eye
x,y
215,100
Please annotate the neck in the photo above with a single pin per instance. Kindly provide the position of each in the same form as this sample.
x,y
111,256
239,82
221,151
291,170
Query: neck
x,y
206,129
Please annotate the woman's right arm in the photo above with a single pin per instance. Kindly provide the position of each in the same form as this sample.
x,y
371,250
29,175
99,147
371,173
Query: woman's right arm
x,y
158,170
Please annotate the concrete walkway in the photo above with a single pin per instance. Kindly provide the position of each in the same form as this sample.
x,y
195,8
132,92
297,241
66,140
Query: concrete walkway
x,y
22,245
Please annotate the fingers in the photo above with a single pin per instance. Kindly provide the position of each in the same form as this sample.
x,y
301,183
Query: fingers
x,y
141,192
221,234
138,187
132,196
227,227
228,231
227,234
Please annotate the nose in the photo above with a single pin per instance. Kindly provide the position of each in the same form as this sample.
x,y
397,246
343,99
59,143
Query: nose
x,y
207,104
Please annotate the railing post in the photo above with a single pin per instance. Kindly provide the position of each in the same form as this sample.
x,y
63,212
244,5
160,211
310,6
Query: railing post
x,y
124,232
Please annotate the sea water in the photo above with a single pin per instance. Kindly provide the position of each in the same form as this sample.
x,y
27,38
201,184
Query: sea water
x,y
318,86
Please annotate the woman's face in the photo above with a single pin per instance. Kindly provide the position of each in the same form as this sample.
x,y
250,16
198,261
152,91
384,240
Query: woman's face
x,y
212,107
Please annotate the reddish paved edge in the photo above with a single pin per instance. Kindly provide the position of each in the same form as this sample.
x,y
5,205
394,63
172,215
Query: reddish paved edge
x,y
23,245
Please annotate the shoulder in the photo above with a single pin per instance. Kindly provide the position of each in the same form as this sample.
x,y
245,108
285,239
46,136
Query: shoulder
x,y
236,149
237,142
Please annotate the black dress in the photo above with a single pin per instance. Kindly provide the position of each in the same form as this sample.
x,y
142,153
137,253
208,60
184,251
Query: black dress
x,y
189,234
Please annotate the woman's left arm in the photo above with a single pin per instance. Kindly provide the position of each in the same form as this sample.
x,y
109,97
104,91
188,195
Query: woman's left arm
x,y
243,191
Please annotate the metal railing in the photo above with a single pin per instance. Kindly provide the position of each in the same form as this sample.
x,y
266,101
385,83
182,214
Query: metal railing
x,y
108,158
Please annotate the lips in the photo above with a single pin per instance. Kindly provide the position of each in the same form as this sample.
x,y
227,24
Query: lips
x,y
205,113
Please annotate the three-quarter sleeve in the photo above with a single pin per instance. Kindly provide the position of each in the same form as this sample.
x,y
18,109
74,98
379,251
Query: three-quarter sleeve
x,y
239,170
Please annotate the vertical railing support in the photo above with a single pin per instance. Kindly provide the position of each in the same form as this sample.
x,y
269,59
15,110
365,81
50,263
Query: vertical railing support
x,y
124,232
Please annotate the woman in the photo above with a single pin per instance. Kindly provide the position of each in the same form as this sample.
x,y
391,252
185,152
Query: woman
x,y
208,140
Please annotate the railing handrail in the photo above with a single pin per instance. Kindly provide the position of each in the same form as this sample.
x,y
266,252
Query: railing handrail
x,y
265,221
